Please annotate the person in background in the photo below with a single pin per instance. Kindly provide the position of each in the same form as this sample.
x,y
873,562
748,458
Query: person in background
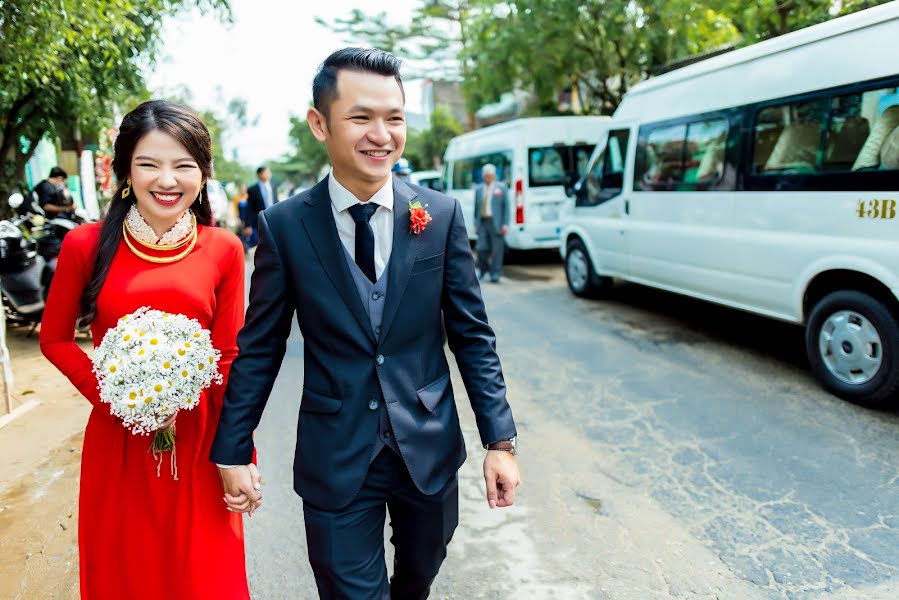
x,y
52,195
260,196
402,169
240,209
490,203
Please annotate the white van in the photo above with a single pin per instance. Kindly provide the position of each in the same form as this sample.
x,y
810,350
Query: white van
x,y
765,179
534,157
430,179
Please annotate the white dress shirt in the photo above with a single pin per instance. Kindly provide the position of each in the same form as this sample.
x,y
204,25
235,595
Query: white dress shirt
x,y
381,222
487,200
267,194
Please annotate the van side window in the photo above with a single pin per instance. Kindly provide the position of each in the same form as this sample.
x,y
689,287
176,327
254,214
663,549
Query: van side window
x,y
847,141
501,160
552,165
865,131
546,166
663,163
704,152
787,138
606,179
463,172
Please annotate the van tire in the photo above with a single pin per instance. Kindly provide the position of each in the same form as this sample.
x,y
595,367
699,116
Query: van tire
x,y
860,312
582,279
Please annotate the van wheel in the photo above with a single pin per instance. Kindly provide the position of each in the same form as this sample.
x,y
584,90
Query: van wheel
x,y
582,279
852,341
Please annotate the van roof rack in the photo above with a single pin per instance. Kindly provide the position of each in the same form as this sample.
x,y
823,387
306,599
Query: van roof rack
x,y
689,60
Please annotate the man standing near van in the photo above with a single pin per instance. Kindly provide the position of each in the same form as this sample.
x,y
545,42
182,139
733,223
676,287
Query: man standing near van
x,y
490,199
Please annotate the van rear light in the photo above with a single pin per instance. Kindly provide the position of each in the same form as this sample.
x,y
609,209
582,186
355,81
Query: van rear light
x,y
519,202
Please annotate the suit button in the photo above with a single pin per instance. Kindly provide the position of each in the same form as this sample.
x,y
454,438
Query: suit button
x,y
378,330
376,296
373,404
387,434
379,359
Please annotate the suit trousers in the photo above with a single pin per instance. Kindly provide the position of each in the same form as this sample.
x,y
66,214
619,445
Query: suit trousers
x,y
346,546
491,246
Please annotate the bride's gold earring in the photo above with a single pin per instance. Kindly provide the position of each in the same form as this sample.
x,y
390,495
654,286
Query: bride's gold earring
x,y
200,197
126,191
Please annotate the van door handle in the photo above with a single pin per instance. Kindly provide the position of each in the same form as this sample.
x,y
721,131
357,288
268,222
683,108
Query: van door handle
x,y
627,207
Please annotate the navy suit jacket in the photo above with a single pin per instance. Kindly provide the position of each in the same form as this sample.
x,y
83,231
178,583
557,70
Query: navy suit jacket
x,y
256,203
498,204
301,267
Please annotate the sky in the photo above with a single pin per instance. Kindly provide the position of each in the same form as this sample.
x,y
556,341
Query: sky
x,y
268,56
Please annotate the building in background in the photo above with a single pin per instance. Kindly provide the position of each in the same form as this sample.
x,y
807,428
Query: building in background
x,y
447,94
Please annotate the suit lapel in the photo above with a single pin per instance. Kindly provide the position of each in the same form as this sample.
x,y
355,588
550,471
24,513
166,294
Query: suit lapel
x,y
402,255
320,227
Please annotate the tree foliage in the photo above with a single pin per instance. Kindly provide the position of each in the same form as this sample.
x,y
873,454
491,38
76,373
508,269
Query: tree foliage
x,y
596,49
229,168
65,63
308,157
434,39
425,148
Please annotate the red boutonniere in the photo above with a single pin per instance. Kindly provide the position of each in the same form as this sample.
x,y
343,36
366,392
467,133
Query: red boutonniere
x,y
418,217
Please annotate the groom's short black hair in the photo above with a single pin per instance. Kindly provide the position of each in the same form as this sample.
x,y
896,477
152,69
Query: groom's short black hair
x,y
371,60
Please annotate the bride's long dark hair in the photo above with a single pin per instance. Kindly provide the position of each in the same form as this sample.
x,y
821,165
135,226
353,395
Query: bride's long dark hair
x,y
184,125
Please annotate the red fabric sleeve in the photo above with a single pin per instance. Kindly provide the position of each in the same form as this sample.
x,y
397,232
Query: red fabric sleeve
x,y
73,270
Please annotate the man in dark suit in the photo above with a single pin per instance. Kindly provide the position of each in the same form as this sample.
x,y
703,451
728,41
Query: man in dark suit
x,y
373,282
260,195
491,199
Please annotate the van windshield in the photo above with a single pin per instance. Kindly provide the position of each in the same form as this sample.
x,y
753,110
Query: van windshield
x,y
548,165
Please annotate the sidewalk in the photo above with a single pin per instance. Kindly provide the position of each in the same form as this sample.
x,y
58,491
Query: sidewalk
x,y
41,450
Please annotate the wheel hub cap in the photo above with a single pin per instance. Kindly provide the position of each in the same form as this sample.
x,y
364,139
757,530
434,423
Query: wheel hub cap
x,y
850,347
577,269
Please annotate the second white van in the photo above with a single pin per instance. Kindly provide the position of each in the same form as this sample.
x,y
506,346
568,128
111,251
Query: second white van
x,y
535,157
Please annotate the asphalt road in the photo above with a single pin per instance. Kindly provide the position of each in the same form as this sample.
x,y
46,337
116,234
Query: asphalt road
x,y
669,449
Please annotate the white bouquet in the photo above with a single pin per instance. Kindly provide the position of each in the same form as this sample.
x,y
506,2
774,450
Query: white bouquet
x,y
151,365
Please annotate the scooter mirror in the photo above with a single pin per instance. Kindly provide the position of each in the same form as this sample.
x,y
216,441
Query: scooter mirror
x,y
16,200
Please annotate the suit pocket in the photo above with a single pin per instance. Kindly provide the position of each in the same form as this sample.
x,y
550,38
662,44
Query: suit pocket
x,y
316,402
432,393
423,265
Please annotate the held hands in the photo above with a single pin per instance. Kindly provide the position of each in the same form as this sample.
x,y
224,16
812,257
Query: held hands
x,y
241,485
502,477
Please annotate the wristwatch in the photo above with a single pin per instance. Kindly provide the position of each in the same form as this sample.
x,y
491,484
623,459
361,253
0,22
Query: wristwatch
x,y
509,445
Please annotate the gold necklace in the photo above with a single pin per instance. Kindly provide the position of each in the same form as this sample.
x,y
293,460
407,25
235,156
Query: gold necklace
x,y
175,246
161,259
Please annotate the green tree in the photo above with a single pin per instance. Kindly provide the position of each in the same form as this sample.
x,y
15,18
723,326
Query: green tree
x,y
433,40
65,63
765,19
425,148
229,168
596,48
308,157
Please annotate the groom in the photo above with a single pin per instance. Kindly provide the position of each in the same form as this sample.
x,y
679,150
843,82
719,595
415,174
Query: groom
x,y
378,427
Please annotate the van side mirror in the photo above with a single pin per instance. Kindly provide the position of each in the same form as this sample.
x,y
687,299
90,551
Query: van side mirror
x,y
569,183
613,180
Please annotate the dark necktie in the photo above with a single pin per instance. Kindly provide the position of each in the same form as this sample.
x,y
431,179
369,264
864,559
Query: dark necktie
x,y
365,238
